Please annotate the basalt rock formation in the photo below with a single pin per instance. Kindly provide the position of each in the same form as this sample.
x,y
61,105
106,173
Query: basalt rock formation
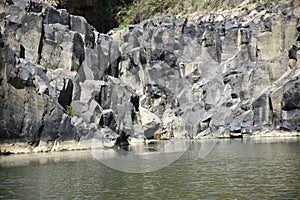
x,y
61,80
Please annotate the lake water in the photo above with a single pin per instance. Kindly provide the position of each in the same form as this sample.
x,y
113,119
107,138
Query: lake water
x,y
232,169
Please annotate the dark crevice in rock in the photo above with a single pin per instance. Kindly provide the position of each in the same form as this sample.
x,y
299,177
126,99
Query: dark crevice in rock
x,y
108,120
207,120
226,80
102,97
17,82
22,51
133,115
270,104
293,52
40,131
65,96
184,24
135,102
122,140
40,47
234,96
9,2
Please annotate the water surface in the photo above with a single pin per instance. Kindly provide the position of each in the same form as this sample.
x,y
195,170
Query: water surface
x,y
234,169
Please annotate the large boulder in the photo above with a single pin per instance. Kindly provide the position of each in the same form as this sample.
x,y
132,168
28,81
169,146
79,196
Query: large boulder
x,y
291,105
291,96
150,122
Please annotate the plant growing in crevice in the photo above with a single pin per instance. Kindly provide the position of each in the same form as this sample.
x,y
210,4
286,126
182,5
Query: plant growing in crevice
x,y
70,112
39,60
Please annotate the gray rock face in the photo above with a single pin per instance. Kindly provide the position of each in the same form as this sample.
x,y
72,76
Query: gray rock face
x,y
62,80
291,106
215,76
291,96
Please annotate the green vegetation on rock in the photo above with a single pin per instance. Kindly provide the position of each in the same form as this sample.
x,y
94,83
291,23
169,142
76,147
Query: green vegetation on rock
x,y
140,10
70,112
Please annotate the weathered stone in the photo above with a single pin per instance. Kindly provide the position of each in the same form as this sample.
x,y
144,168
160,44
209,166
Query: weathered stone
x,y
291,96
97,111
78,52
278,67
108,119
276,99
90,88
290,120
150,122
57,47
261,111
53,16
61,80
31,34
271,44
80,25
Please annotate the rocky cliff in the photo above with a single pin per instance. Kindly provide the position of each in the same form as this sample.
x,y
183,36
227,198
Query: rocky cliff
x,y
61,80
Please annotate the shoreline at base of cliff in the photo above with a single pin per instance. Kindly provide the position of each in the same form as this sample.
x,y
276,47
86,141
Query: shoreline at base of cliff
x,y
45,147
258,134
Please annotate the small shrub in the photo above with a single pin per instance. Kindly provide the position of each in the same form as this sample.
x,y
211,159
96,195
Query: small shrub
x,y
123,26
70,112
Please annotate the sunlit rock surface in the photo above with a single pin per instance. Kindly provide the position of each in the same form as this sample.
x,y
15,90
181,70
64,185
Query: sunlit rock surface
x,y
61,80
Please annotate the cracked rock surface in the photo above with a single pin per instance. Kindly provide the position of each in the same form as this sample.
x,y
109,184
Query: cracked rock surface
x,y
61,80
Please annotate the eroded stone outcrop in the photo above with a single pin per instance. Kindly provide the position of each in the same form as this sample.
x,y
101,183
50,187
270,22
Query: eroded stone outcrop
x,y
233,71
61,80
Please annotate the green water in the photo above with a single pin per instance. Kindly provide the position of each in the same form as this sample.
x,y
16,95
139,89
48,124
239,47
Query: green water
x,y
234,169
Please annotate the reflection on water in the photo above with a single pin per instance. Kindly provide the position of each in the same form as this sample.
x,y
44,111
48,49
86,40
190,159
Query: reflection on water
x,y
142,158
43,158
248,168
